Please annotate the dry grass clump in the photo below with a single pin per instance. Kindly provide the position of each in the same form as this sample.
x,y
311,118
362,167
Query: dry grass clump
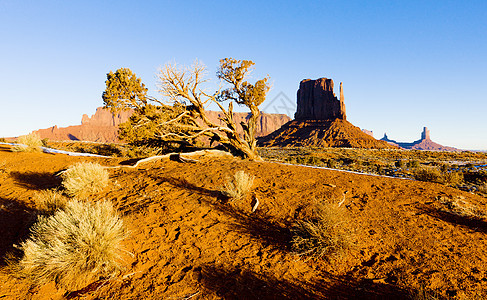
x,y
434,174
50,201
482,188
239,186
74,247
28,143
84,179
324,235
460,207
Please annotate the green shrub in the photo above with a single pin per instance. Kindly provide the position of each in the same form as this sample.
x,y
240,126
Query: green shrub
x,y
28,143
84,179
239,186
324,235
73,247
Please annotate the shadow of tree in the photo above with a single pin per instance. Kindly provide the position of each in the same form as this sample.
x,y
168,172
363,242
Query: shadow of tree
x,y
245,284
15,221
471,222
36,180
257,225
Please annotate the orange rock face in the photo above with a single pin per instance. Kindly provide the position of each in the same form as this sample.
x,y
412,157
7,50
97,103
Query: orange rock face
x,y
317,101
320,121
103,126
317,133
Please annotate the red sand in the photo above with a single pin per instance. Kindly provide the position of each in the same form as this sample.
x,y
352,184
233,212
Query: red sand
x,y
189,242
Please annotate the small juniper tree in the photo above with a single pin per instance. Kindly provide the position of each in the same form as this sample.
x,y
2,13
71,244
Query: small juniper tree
x,y
183,122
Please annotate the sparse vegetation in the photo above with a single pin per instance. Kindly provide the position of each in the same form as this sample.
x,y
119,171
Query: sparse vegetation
x,y
323,235
463,170
239,186
28,143
84,179
423,294
74,247
50,201
434,174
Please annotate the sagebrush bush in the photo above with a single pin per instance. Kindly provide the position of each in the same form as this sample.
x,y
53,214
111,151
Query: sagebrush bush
x,y
28,143
326,234
460,207
49,201
75,246
239,186
84,179
434,174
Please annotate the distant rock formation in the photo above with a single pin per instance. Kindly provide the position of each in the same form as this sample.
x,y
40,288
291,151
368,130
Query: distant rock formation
x,y
103,125
369,132
320,121
425,143
317,101
104,117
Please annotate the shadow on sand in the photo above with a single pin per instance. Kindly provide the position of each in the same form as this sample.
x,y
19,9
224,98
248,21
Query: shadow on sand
x,y
470,222
257,225
36,180
15,221
245,284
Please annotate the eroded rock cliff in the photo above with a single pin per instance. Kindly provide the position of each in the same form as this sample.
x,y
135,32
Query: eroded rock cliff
x,y
317,101
103,125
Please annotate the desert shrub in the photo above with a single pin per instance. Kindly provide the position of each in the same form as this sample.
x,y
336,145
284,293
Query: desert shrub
x,y
325,234
423,294
45,142
84,179
142,151
3,140
482,188
331,163
413,164
379,169
50,201
433,174
452,178
428,174
28,143
399,164
460,207
239,186
73,247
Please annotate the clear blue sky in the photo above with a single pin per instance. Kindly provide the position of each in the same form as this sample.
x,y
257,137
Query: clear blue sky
x,y
403,64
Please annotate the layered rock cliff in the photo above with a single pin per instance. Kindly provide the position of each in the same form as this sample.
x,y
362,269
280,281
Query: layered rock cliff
x,y
103,125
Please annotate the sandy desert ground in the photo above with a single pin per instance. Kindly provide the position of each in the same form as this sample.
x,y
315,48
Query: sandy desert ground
x,y
188,241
